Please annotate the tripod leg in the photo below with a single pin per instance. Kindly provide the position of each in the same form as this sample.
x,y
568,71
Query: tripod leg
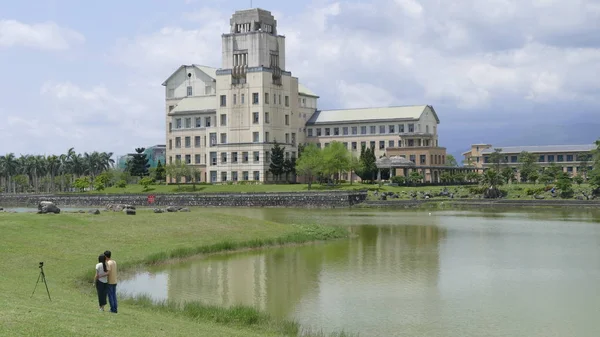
x,y
36,283
46,283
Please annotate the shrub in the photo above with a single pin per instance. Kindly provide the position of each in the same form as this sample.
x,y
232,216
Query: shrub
x,y
477,189
121,183
534,191
400,180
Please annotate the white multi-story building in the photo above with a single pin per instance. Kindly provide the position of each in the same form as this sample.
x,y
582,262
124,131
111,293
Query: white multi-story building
x,y
225,121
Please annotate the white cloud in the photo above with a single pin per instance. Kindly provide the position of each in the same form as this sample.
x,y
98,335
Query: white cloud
x,y
44,36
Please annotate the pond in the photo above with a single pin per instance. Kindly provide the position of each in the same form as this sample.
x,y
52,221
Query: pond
x,y
411,273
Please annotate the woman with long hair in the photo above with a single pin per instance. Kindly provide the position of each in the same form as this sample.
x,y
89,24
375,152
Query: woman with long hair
x,y
101,280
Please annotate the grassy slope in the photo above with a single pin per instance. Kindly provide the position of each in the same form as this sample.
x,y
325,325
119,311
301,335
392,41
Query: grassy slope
x,y
69,245
513,189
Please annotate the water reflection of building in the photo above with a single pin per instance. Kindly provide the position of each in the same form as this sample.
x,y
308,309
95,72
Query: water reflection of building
x,y
272,281
400,261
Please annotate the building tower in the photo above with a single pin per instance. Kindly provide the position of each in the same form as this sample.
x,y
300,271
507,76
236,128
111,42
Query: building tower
x,y
256,100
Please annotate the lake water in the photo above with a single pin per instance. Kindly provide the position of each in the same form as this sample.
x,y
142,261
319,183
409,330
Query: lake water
x,y
410,273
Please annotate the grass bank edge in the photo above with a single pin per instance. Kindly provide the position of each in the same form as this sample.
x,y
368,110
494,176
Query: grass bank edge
x,y
242,316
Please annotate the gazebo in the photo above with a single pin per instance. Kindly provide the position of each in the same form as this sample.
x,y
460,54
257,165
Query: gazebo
x,y
393,163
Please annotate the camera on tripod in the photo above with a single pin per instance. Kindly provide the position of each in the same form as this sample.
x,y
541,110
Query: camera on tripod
x,y
41,264
42,276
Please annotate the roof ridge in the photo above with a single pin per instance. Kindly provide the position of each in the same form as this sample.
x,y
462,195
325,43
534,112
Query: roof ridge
x,y
382,107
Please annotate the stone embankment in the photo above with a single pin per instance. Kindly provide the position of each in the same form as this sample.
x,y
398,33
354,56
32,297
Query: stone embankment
x,y
483,203
331,199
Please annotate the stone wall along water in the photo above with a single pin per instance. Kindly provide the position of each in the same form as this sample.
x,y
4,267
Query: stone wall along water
x,y
296,199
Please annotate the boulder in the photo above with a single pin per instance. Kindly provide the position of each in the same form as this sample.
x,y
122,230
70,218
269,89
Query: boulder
x,y
129,211
173,208
119,207
539,197
158,210
45,207
94,211
184,209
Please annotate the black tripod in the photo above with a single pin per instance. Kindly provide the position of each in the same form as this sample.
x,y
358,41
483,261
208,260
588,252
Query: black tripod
x,y
43,277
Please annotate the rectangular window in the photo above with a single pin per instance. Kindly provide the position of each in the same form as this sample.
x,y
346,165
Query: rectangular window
x,y
178,123
198,122
391,129
267,120
550,158
223,176
287,119
170,144
256,156
213,139
287,138
382,129
223,119
207,122
363,144
188,123
310,132
243,98
223,157
245,176
213,158
177,142
197,141
178,158
381,144
345,130
411,127
354,130
234,157
411,143
401,128
254,98
294,138
188,159
318,132
223,100
223,138
170,127
569,157
255,137
327,132
256,175
354,146
234,99
391,143
336,131
372,129
244,157
560,158
197,159
541,159
234,175
280,100
188,142
189,91
266,98
412,158
287,100
423,159
363,130
255,118
266,137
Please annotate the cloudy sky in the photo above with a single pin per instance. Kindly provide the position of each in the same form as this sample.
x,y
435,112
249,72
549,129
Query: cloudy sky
x,y
88,74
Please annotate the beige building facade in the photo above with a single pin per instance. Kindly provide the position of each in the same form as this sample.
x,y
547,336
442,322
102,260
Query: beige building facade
x,y
566,156
224,122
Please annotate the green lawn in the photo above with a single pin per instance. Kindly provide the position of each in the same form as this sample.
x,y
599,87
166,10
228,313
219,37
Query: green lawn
x,y
69,245
514,190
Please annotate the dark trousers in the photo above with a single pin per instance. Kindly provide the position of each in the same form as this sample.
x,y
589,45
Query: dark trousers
x,y
101,289
112,297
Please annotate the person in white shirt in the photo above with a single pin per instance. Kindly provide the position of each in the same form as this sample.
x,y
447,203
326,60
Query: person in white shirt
x,y
101,280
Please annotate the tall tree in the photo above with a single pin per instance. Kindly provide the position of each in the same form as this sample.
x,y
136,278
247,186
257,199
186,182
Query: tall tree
x,y
276,167
451,161
160,172
528,167
309,162
584,162
497,158
336,159
139,163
